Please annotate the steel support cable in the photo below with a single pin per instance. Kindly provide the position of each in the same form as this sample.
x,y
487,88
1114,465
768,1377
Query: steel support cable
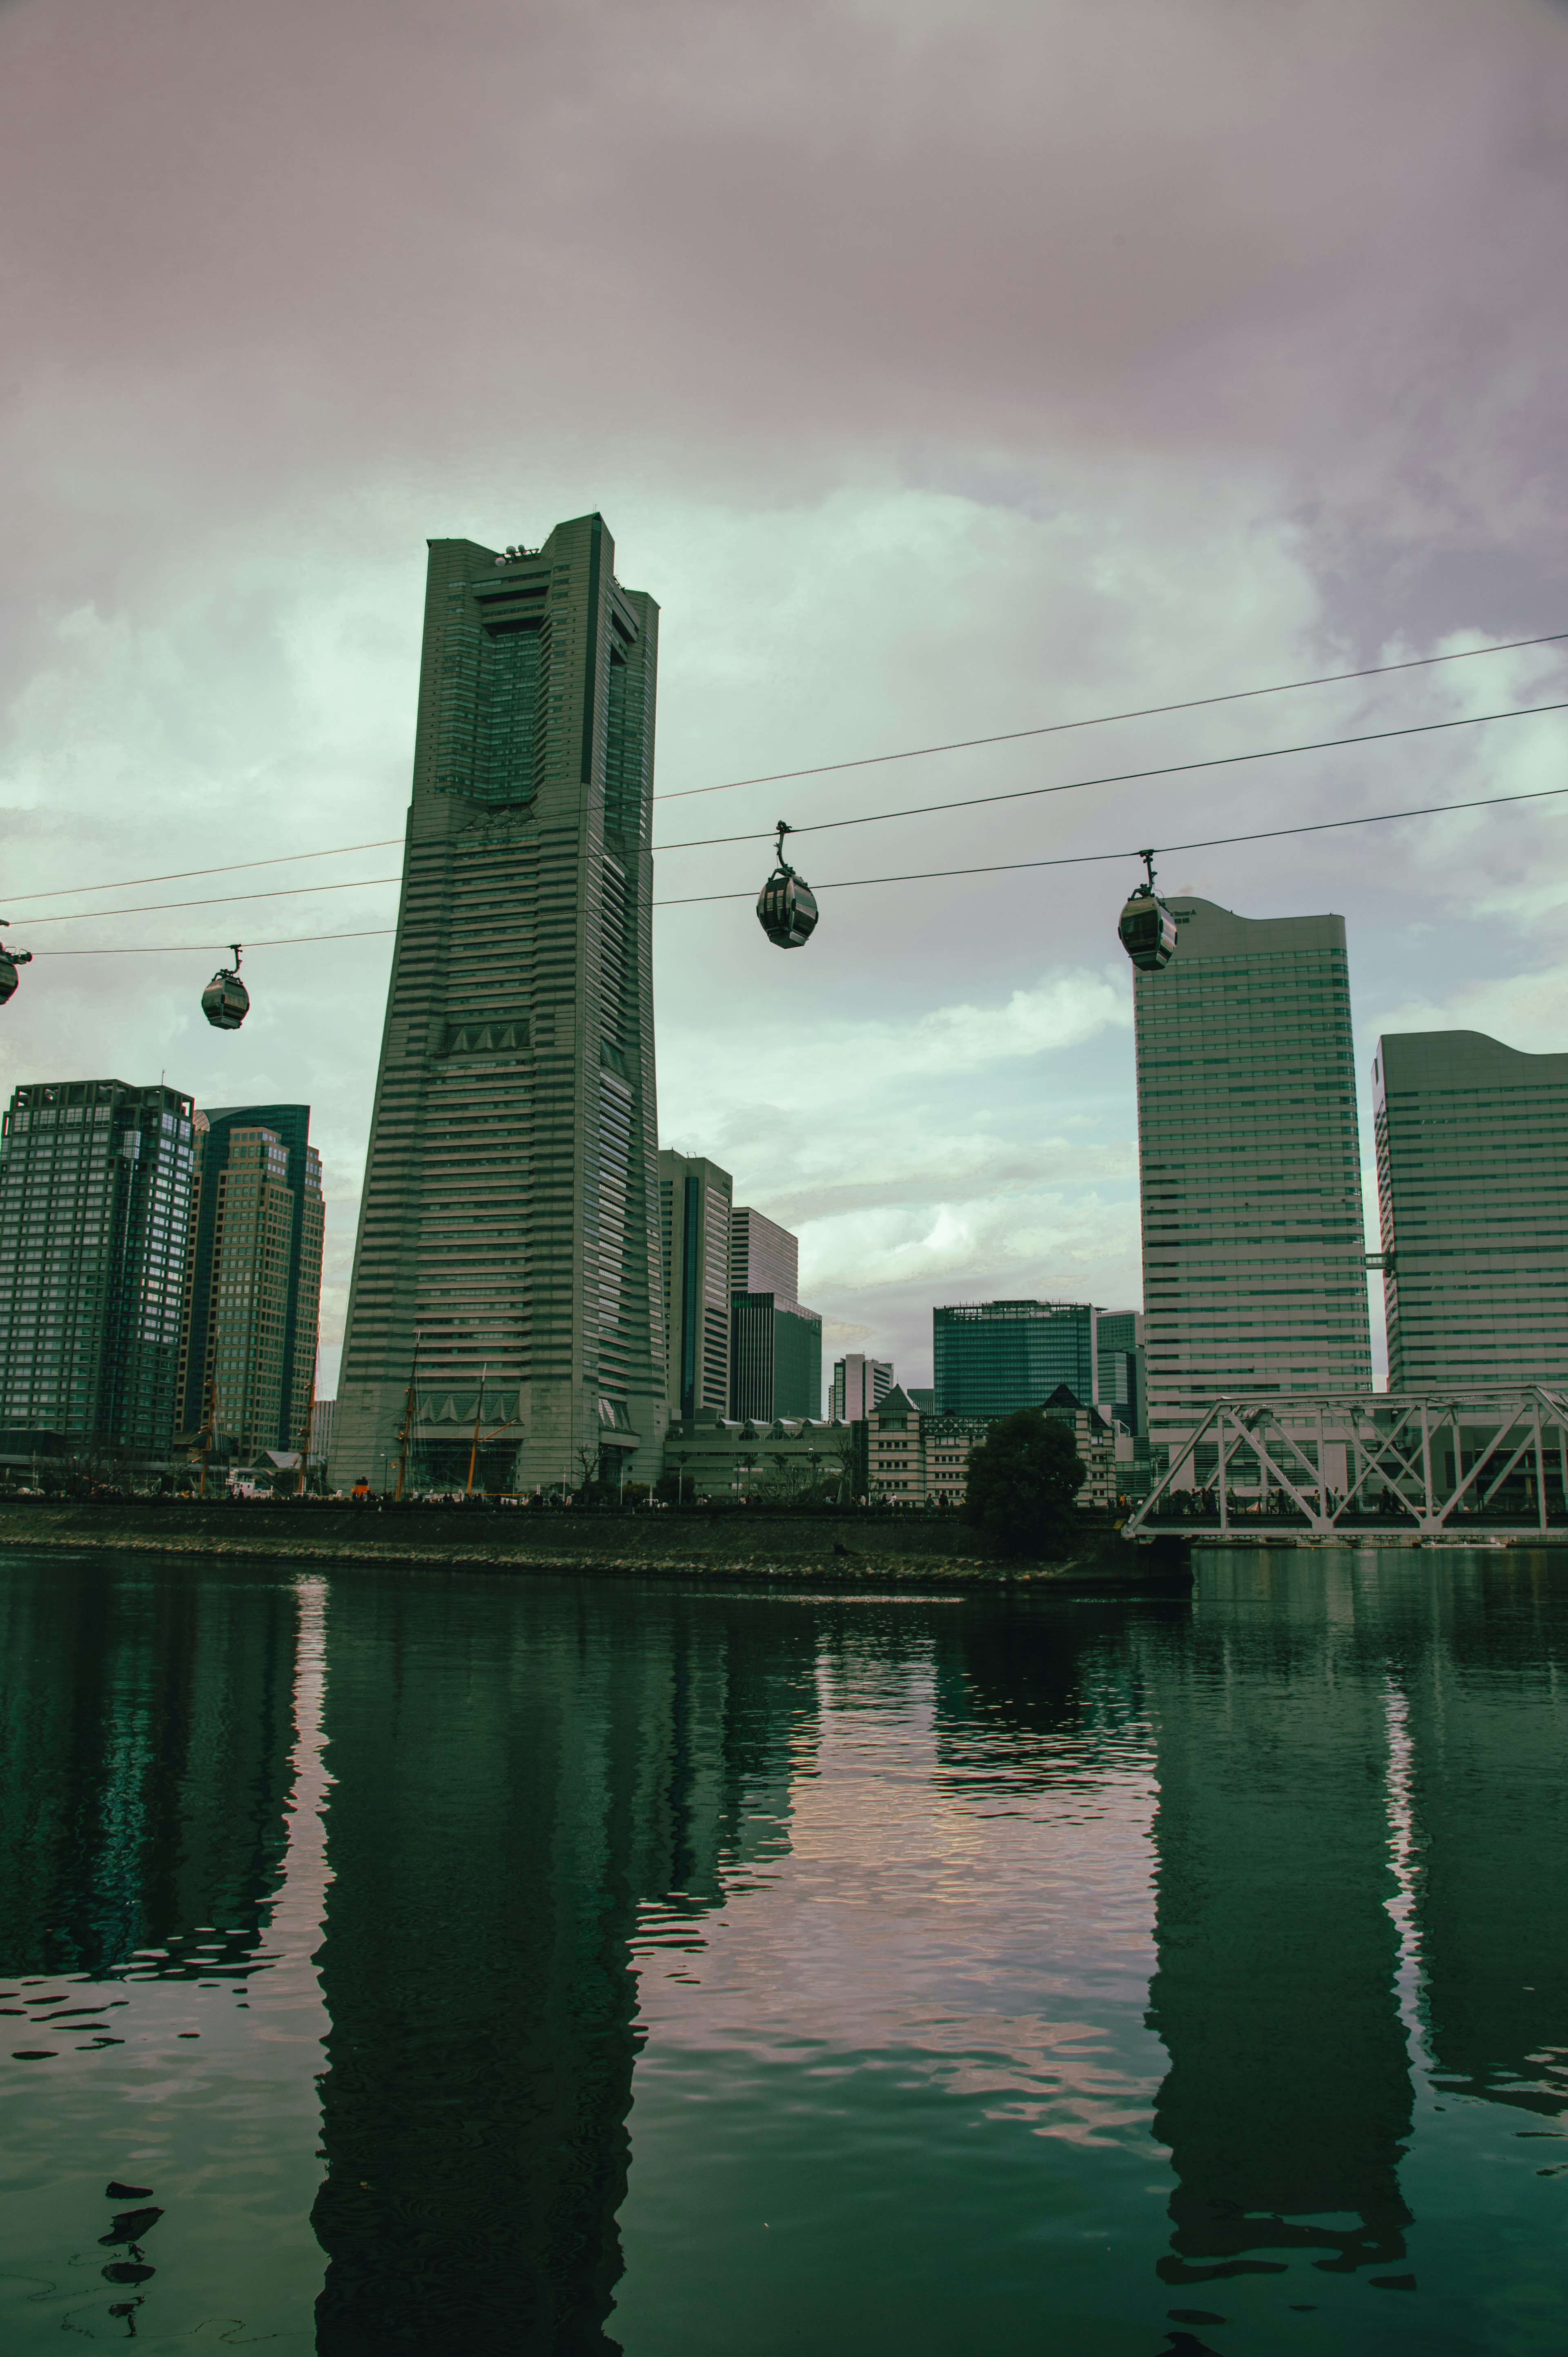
x,y
1105,720
922,809
923,875
1093,858
1128,776
869,760
232,867
219,900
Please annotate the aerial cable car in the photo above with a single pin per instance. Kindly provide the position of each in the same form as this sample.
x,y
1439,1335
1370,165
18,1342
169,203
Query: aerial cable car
x,y
1147,930
226,1002
9,960
787,906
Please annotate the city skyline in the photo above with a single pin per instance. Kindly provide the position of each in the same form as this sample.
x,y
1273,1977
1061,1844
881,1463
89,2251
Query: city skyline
x,y
1214,446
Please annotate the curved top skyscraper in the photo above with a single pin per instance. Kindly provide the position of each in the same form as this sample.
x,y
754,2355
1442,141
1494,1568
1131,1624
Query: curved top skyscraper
x,y
506,1272
1254,1249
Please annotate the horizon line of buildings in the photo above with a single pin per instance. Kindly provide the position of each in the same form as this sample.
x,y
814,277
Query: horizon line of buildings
x,y
541,1293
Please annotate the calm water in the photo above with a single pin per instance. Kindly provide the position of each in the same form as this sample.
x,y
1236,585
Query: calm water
x,y
468,1966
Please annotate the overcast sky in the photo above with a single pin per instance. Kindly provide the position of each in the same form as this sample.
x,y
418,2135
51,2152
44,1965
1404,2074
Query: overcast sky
x,y
944,367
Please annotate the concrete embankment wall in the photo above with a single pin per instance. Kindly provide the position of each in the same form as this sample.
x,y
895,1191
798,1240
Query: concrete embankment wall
x,y
839,1549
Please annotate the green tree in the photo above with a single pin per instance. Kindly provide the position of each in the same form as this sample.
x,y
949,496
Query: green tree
x,y
1023,1480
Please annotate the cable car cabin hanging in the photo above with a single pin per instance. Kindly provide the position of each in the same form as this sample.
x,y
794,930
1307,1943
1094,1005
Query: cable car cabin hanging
x,y
9,960
226,1002
1147,930
787,906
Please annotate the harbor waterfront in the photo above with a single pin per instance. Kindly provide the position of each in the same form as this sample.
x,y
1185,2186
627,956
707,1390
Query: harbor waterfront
x,y
734,1541
435,1962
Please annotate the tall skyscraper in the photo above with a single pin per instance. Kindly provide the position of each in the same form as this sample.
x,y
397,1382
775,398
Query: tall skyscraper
x,y
991,1357
695,1230
508,1233
860,1386
95,1189
253,1279
763,1256
1472,1141
1254,1261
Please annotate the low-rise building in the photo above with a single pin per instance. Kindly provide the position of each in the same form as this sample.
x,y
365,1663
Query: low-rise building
x,y
911,1459
1095,1446
778,1462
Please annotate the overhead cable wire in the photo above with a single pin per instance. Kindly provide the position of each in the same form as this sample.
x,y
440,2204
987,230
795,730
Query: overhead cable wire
x,y
185,875
870,760
1092,858
1125,777
221,900
872,818
924,875
203,949
1105,720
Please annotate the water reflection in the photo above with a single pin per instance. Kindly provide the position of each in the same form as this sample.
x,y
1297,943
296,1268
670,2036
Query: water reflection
x,y
146,1759
1288,2097
515,1775
465,1963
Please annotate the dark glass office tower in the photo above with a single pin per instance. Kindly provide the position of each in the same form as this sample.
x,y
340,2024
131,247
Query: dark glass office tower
x,y
253,1288
993,1356
95,1184
507,1264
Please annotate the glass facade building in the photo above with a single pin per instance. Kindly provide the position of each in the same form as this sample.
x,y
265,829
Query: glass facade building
x,y
95,1201
991,1357
1255,1255
776,1359
694,1238
1472,1140
252,1286
507,1261
1119,1377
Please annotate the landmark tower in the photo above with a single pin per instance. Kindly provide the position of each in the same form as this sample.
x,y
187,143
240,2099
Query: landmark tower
x,y
506,1270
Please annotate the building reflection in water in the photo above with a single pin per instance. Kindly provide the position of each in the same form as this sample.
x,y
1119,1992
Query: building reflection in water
x,y
146,1787
1485,1688
1325,1715
515,1775
1287,2105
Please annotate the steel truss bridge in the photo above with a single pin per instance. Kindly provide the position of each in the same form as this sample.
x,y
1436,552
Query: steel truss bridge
x,y
1473,1464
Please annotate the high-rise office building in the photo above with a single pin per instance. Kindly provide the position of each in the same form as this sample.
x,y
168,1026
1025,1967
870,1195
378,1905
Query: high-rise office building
x,y
763,1257
694,1231
508,1234
95,1192
860,1386
1119,1366
1254,1263
991,1357
775,1358
321,1448
1473,1192
775,1344
252,1279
